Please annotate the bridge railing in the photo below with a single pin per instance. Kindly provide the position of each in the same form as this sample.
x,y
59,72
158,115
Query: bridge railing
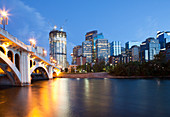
x,y
12,38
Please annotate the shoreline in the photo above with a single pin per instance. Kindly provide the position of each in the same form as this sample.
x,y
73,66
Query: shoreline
x,y
107,75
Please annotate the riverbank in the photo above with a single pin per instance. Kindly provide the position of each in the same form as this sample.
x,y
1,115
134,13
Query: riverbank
x,y
105,75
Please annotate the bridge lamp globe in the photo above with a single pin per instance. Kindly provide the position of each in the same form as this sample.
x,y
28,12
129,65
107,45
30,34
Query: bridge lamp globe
x,y
32,42
45,53
4,17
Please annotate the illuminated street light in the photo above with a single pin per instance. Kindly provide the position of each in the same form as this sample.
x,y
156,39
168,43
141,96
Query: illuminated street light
x,y
32,42
4,17
44,53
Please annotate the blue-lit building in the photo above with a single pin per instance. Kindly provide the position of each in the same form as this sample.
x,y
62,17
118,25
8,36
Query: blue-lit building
x,y
163,37
148,49
115,48
87,50
129,44
98,36
102,50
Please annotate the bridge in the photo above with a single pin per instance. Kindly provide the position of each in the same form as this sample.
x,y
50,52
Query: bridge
x,y
21,63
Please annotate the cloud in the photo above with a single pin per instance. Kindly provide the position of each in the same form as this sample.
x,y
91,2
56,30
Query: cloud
x,y
26,22
149,29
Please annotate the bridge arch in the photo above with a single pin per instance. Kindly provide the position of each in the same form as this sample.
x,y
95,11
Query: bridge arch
x,y
32,69
10,69
2,50
10,55
17,61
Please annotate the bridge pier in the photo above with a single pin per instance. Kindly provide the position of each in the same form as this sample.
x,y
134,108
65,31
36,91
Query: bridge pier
x,y
25,68
50,72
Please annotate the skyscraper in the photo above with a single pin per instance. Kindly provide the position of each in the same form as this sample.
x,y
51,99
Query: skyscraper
x,y
163,37
149,48
102,50
115,48
90,37
135,53
87,51
58,51
75,53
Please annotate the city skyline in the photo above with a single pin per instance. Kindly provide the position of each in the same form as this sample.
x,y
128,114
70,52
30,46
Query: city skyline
x,y
114,20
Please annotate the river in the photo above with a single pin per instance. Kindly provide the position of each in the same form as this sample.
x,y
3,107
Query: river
x,y
64,97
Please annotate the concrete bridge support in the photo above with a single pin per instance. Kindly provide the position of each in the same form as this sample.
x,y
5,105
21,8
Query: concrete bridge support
x,y
50,72
25,68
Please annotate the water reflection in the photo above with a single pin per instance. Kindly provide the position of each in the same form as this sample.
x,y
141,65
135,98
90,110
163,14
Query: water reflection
x,y
87,97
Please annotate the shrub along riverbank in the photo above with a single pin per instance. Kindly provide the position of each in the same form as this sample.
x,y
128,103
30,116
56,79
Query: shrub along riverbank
x,y
157,67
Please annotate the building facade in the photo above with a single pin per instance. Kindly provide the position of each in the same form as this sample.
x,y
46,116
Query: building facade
x,y
163,38
90,37
115,48
135,53
57,40
75,54
102,50
129,44
168,51
148,49
87,50
80,60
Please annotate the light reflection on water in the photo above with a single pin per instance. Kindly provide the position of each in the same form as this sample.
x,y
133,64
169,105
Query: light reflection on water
x,y
87,97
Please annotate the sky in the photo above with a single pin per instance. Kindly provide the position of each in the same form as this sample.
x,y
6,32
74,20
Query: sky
x,y
118,20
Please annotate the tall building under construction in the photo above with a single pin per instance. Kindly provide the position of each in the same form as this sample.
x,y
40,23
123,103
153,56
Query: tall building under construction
x,y
57,39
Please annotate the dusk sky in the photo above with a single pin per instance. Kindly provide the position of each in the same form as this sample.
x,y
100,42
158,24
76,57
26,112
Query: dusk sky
x,y
118,20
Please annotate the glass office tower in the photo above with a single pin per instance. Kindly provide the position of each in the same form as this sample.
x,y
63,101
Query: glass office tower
x,y
102,50
115,48
90,37
87,50
148,49
58,51
163,37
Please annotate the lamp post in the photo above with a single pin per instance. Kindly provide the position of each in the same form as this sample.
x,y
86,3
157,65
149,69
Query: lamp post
x,y
4,18
32,42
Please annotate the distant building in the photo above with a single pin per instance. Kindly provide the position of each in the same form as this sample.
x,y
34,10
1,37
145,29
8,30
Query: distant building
x,y
135,53
108,49
122,58
58,51
75,54
97,36
123,50
80,60
90,37
129,44
168,51
87,50
163,38
80,53
148,49
102,50
40,51
115,48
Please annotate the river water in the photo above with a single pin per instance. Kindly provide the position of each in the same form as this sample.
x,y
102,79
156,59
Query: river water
x,y
87,98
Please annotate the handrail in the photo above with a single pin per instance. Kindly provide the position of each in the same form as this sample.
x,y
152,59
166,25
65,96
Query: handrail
x,y
12,37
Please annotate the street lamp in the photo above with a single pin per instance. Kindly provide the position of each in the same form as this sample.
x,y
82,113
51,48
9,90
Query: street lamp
x,y
44,53
4,18
32,42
